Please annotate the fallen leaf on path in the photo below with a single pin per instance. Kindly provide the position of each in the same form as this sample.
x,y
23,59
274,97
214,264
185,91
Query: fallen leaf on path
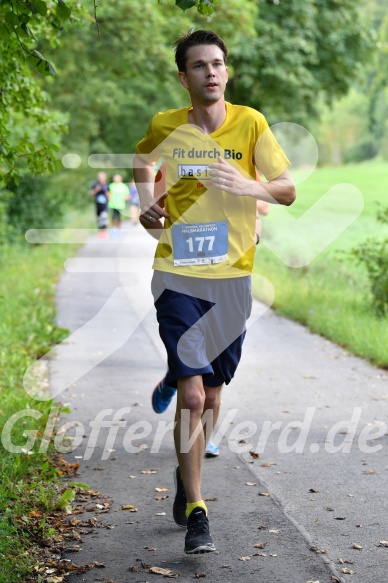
x,y
264,494
357,547
345,561
161,489
160,514
129,507
73,549
210,499
383,543
274,531
313,491
251,484
260,545
335,578
369,472
160,497
141,448
93,493
199,575
133,477
268,464
347,571
272,554
164,572
254,455
339,517
149,472
244,558
259,555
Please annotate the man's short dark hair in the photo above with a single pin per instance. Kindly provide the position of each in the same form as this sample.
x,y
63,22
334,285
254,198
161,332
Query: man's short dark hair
x,y
193,38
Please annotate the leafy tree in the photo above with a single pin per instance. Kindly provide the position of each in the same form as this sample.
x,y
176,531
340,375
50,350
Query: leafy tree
x,y
127,72
303,49
355,127
378,73
343,134
29,131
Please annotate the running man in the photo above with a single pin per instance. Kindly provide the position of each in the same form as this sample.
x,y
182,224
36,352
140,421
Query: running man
x,y
203,261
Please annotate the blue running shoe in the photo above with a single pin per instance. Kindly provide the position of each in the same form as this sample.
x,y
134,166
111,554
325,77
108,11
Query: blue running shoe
x,y
162,396
212,450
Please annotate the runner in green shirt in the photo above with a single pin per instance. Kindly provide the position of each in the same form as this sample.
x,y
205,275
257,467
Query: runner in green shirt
x,y
118,195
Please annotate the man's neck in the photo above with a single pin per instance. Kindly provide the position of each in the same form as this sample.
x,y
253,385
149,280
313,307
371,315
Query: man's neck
x,y
208,117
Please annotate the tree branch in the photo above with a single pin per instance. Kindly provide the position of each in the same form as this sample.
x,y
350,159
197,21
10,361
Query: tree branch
x,y
95,17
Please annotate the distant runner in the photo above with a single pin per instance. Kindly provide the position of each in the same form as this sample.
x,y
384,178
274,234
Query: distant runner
x,y
118,196
100,191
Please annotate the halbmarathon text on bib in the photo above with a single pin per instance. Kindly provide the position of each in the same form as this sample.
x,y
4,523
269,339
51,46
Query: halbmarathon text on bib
x,y
200,243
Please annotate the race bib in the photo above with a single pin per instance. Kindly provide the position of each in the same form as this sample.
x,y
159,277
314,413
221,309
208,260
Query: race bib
x,y
200,243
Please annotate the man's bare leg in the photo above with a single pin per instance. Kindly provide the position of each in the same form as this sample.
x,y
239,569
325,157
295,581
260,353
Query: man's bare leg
x,y
199,401
213,403
190,397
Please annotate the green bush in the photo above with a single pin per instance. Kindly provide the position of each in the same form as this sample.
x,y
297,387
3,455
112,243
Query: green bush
x,y
4,195
373,254
32,205
365,150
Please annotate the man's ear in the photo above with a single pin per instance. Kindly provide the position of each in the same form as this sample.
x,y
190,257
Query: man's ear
x,y
182,79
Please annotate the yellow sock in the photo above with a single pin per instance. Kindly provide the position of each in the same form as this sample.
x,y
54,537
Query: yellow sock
x,y
191,505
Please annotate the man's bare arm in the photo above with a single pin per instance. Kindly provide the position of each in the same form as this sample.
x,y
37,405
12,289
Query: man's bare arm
x,y
151,211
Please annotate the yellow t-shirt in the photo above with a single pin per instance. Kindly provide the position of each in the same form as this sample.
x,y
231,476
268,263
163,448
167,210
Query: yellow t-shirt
x,y
210,233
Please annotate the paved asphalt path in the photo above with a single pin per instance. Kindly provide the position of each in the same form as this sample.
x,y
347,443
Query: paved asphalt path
x,y
293,391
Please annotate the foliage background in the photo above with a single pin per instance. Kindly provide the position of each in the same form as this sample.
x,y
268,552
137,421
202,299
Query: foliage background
x,y
69,84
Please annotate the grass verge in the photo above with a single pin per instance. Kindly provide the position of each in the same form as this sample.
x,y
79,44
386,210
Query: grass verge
x,y
31,491
329,294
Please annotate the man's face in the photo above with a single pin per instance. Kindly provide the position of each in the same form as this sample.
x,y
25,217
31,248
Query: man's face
x,y
206,74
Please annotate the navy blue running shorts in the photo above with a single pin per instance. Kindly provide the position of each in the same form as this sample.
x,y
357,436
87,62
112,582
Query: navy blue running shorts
x,y
202,325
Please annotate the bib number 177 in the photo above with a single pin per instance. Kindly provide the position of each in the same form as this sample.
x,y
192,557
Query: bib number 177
x,y
201,242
